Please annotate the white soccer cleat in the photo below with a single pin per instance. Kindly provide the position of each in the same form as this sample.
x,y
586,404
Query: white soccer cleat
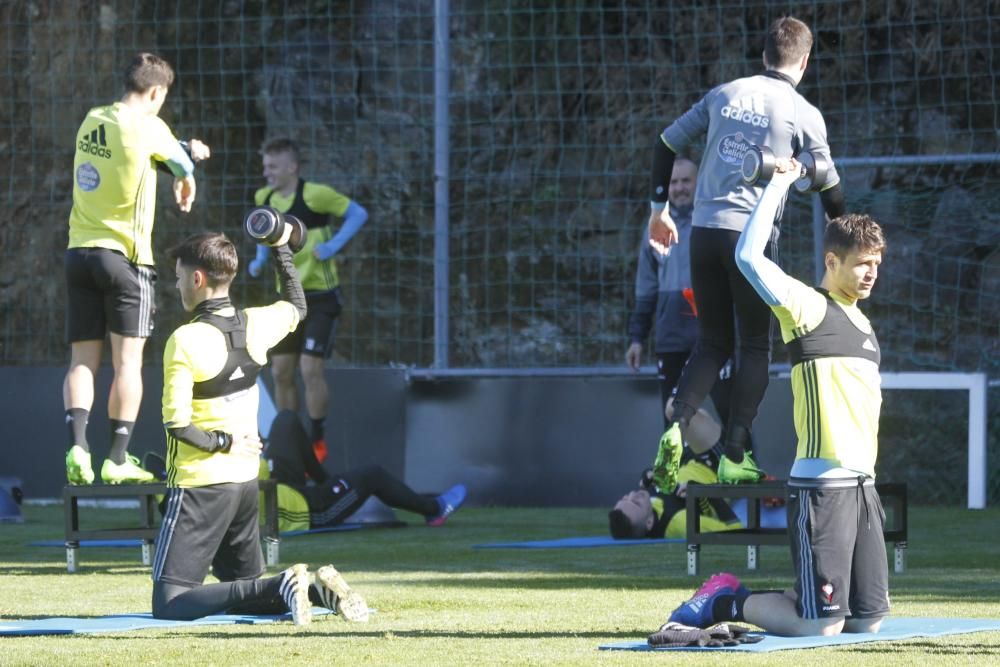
x,y
338,596
295,592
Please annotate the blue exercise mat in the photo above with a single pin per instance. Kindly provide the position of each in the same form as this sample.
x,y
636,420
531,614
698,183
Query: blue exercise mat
x,y
770,517
88,543
127,622
892,629
577,543
343,527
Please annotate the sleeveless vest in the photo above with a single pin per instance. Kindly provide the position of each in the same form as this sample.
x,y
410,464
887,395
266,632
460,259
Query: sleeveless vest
x,y
300,210
240,371
836,336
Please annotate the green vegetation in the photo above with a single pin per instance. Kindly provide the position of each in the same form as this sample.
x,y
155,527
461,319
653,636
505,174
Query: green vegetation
x,y
440,602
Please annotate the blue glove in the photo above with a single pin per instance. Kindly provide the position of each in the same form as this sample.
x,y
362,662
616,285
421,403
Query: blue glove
x,y
258,263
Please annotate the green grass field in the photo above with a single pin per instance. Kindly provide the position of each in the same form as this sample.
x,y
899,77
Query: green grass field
x,y
439,602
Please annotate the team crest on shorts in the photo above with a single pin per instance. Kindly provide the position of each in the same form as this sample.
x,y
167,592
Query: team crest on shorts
x,y
827,591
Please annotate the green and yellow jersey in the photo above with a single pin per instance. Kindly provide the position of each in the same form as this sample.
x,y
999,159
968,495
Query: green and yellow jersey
x,y
293,508
671,512
314,204
114,180
835,381
196,353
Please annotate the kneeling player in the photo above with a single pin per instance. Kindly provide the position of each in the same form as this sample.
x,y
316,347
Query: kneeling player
x,y
210,400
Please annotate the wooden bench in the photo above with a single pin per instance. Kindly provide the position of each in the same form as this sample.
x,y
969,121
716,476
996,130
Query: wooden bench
x,y
147,529
753,536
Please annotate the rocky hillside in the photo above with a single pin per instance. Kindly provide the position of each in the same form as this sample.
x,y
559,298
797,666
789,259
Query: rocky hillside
x,y
553,111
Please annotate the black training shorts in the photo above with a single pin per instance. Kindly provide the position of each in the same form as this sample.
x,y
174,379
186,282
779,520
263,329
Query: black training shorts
x,y
314,335
106,292
206,526
838,550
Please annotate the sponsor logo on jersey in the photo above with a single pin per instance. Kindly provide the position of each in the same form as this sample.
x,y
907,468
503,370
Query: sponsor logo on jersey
x,y
87,177
733,147
748,109
95,143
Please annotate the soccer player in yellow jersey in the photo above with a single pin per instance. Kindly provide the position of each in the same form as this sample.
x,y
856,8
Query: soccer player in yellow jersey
x,y
311,343
835,516
210,401
109,260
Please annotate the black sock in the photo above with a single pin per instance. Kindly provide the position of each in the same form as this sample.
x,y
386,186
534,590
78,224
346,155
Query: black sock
x,y
736,439
76,422
314,597
729,607
121,434
316,429
683,414
711,457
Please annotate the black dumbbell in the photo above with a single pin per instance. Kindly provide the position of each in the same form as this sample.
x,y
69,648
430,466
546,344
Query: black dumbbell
x,y
271,227
758,167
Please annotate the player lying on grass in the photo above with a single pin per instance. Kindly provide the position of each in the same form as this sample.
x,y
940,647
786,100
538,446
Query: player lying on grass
x,y
657,508
309,497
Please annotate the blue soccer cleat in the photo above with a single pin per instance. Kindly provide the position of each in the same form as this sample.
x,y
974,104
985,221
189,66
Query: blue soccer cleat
x,y
448,502
697,612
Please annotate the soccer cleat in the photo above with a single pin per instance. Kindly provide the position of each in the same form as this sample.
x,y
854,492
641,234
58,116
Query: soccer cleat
x,y
697,612
746,472
294,589
449,501
320,450
78,468
129,472
772,501
338,596
668,459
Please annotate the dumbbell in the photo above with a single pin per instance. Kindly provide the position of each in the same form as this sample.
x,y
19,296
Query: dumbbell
x,y
271,227
758,167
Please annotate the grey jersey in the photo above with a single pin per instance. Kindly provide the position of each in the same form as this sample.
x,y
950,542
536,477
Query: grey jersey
x,y
763,110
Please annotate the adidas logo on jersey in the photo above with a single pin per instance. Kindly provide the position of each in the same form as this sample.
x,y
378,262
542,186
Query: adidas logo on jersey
x,y
95,143
237,374
749,110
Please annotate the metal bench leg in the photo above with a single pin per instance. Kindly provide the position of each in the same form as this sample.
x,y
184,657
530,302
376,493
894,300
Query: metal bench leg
x,y
900,557
752,556
271,550
72,549
693,551
148,551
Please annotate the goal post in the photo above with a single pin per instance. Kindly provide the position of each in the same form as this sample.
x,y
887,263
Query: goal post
x,y
976,385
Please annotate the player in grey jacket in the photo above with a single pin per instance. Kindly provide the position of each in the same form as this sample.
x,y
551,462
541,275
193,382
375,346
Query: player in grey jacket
x,y
763,110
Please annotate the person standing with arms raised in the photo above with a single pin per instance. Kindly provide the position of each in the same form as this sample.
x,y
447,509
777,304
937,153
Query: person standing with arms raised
x,y
762,110
110,273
